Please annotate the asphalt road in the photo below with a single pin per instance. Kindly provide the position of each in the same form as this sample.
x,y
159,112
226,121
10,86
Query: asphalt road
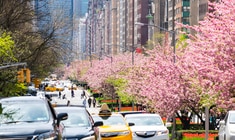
x,y
72,101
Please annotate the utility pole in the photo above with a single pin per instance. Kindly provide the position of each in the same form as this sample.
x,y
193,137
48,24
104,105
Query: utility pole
x,y
133,39
173,43
133,30
173,29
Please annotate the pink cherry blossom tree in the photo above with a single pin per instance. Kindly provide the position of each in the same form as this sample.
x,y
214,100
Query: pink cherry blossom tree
x,y
210,56
203,74
104,72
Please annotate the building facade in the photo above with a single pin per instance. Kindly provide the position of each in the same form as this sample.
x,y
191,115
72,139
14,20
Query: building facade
x,y
64,16
116,26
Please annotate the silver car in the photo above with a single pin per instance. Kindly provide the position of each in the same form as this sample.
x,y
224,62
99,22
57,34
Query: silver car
x,y
227,127
147,127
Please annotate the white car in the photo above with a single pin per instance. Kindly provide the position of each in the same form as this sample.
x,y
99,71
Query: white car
x,y
227,127
41,95
147,127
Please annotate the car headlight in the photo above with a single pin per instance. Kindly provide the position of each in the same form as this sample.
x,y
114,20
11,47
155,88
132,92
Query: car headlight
x,y
46,136
89,138
124,133
162,132
113,134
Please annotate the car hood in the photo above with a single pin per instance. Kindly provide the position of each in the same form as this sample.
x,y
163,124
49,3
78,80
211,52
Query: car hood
x,y
147,128
23,129
77,131
231,127
114,128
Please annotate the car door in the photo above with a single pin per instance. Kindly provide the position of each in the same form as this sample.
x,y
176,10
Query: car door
x,y
222,128
59,128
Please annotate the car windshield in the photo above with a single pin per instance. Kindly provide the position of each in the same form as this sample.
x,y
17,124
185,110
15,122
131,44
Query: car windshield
x,y
232,118
77,119
110,120
145,120
23,111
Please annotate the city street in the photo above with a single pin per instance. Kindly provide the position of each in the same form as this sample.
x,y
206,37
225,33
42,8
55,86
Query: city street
x,y
76,100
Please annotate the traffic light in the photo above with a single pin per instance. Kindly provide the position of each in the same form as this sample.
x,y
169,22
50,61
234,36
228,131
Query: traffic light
x,y
28,77
20,76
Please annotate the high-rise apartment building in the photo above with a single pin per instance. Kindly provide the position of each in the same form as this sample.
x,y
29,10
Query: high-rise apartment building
x,y
65,15
112,28
115,26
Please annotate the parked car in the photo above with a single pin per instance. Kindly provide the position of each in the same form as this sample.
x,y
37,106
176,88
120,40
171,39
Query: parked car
x,y
227,126
114,126
29,117
79,125
147,126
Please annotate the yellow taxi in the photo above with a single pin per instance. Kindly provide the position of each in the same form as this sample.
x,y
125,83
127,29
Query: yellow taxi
x,y
114,125
51,88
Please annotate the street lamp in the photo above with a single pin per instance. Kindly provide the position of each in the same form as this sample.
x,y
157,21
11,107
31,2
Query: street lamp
x,y
173,44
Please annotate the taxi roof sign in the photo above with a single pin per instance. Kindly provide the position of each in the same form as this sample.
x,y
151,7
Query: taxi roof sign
x,y
104,110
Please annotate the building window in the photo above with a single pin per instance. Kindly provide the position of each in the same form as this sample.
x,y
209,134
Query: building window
x,y
185,20
185,9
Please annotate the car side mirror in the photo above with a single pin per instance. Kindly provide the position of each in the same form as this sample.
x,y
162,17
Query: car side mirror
x,y
98,123
60,117
222,122
131,124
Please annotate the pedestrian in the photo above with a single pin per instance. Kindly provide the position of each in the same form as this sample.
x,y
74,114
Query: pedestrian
x,y
89,102
94,102
59,95
84,93
64,96
72,93
84,102
68,103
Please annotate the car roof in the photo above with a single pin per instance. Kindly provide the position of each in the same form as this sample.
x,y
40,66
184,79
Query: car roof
x,y
69,108
112,114
22,98
131,112
141,115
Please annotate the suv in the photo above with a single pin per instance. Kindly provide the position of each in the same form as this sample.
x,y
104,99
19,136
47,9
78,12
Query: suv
x,y
29,117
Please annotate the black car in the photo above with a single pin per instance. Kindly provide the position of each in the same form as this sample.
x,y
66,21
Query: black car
x,y
29,118
79,125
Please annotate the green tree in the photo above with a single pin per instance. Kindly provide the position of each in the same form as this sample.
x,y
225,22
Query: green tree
x,y
8,84
42,48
